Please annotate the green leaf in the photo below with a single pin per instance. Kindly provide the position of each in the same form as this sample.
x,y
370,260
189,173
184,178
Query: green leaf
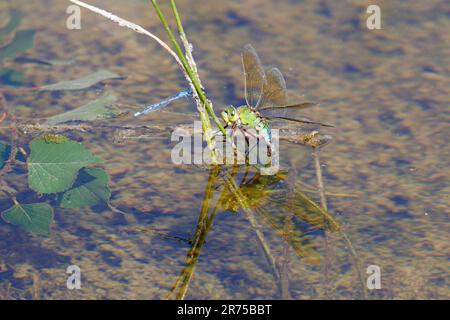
x,y
102,108
82,83
53,164
5,150
14,20
23,40
91,188
35,217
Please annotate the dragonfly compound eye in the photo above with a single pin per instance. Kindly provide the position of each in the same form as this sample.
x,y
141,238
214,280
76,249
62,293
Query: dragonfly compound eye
x,y
224,115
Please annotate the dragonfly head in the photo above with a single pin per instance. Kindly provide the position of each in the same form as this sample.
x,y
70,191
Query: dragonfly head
x,y
230,115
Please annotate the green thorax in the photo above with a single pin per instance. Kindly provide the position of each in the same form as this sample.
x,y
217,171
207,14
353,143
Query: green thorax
x,y
252,119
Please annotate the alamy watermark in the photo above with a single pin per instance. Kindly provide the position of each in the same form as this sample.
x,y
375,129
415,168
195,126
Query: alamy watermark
x,y
74,280
73,21
373,21
374,280
245,146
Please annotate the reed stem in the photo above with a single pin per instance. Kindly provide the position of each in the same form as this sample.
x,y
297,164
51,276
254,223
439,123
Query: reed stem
x,y
194,77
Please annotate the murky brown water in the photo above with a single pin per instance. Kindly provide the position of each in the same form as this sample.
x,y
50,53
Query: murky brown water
x,y
385,90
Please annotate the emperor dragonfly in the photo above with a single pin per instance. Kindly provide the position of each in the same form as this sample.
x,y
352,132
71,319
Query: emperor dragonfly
x,y
265,95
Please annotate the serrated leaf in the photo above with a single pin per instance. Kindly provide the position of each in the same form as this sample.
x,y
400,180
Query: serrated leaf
x,y
35,217
23,40
100,109
53,166
82,83
91,188
5,150
13,23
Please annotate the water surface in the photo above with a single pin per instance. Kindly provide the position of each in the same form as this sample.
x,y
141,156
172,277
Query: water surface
x,y
385,90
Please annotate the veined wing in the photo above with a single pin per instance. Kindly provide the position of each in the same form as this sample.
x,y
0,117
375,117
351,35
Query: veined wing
x,y
267,91
274,102
291,110
274,92
288,113
300,120
255,76
275,99
290,105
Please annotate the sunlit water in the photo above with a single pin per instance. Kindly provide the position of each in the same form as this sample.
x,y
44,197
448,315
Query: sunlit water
x,y
385,90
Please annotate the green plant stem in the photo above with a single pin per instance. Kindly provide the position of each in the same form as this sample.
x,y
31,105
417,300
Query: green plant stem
x,y
206,124
204,225
192,76
184,40
178,19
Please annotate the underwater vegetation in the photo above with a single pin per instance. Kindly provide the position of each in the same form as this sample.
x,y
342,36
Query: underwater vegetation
x,y
63,173
84,181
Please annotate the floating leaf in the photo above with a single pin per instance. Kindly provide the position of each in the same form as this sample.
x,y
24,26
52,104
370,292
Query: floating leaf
x,y
5,150
102,108
53,166
14,20
11,77
82,83
35,217
23,40
91,188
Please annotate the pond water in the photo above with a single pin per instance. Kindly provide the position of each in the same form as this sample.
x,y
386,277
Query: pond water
x,y
386,170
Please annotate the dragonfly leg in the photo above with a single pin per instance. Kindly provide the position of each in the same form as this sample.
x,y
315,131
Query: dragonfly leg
x,y
269,144
244,179
215,133
233,132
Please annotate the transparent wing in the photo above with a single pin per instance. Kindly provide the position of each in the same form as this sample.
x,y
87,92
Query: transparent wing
x,y
274,91
291,110
275,99
302,119
297,106
255,76
267,91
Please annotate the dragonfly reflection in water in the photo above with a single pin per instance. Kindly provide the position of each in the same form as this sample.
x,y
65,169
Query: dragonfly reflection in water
x,y
275,208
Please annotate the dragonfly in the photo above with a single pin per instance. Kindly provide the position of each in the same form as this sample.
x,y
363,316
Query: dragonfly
x,y
164,103
266,99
